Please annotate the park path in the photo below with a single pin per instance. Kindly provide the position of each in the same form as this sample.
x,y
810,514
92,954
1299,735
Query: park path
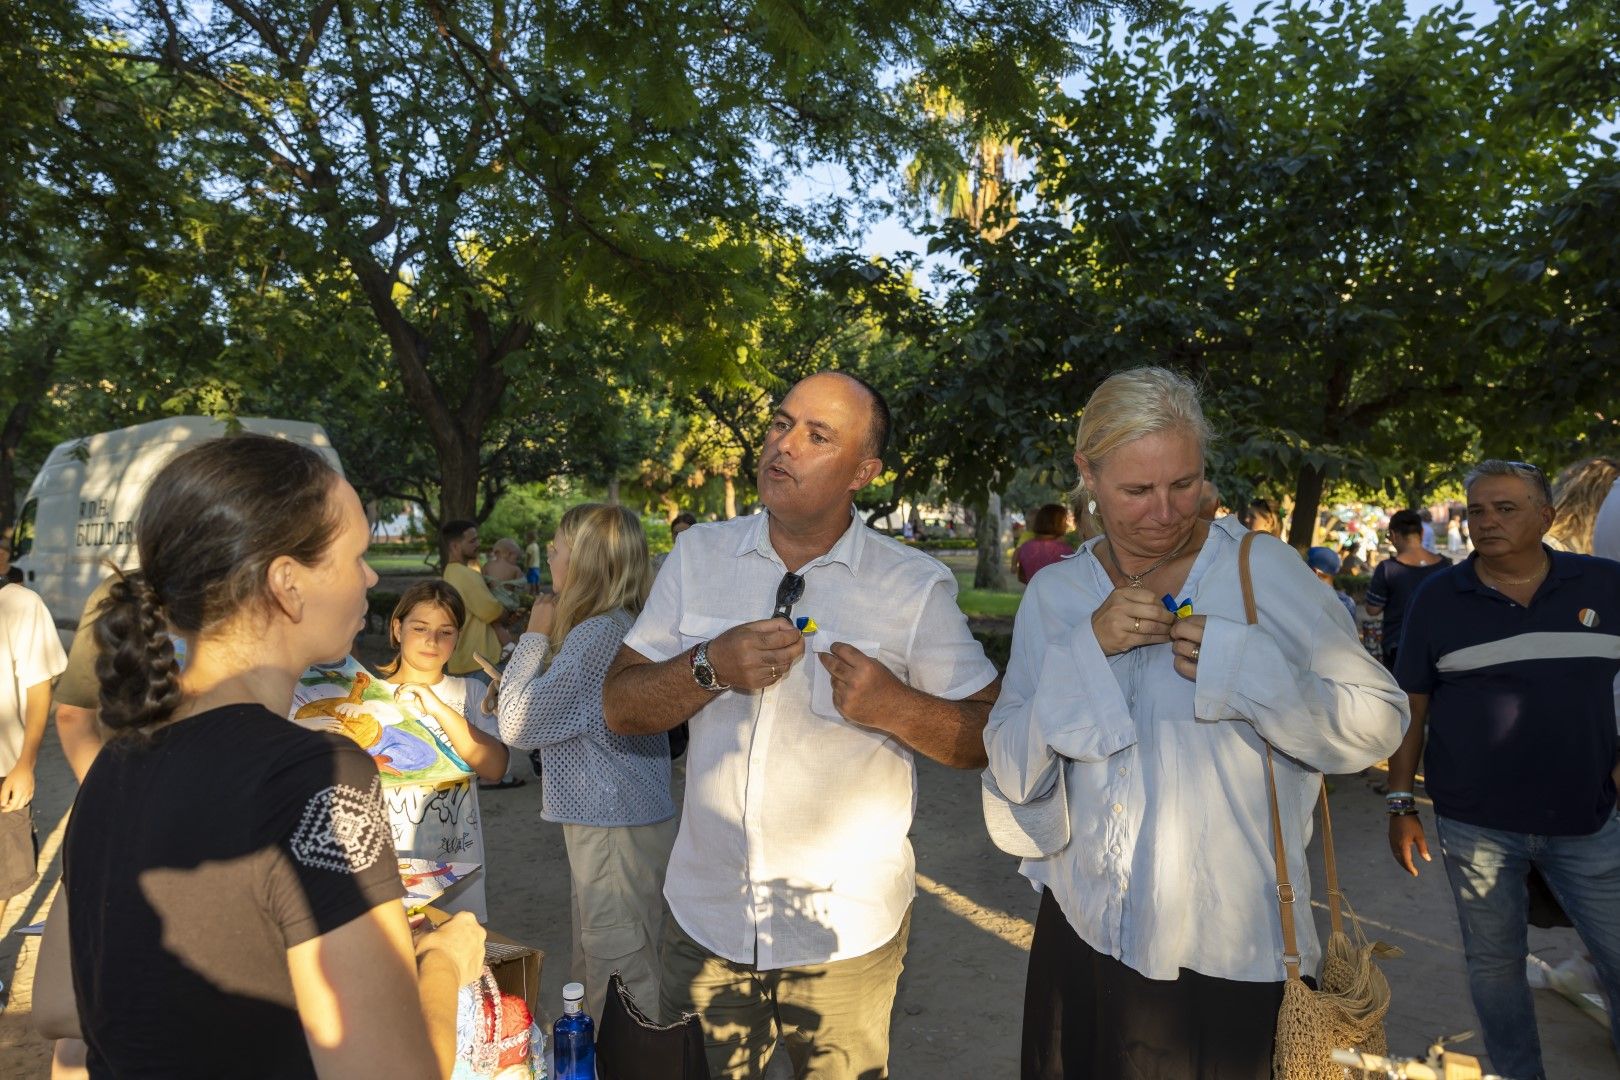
x,y
959,1004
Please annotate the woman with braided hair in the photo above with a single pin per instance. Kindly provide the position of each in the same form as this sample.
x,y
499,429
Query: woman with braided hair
x,y
235,899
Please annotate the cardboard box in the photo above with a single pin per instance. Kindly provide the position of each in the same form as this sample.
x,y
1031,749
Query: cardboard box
x,y
516,966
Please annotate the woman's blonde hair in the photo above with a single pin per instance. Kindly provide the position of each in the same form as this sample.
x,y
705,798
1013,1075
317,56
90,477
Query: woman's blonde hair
x,y
1132,404
1577,494
608,566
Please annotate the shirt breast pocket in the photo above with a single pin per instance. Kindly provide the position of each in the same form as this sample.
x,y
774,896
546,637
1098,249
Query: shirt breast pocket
x,y
695,628
821,683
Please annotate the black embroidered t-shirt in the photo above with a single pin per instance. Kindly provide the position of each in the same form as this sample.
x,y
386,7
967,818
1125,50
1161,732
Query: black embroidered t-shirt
x,y
194,859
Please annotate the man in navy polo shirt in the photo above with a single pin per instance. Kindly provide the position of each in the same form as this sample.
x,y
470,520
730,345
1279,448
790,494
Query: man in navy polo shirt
x,y
1511,658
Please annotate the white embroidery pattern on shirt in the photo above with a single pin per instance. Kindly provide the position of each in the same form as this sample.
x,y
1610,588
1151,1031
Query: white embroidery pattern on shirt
x,y
342,830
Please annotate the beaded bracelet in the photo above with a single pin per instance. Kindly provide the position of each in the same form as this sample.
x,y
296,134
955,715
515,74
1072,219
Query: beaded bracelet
x,y
1412,812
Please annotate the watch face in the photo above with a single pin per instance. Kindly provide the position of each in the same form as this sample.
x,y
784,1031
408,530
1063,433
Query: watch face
x,y
702,671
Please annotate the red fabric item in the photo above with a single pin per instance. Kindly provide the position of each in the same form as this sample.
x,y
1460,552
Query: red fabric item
x,y
515,1021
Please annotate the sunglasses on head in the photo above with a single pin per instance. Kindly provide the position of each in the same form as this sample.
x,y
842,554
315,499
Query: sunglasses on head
x,y
788,593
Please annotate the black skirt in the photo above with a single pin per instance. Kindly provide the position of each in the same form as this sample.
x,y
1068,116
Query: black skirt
x,y
1086,1015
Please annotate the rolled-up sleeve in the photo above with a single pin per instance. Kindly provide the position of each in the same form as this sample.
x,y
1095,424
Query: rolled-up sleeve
x,y
1060,698
657,632
944,658
1322,700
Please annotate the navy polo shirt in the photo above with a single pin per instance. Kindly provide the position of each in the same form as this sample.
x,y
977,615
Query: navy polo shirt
x,y
1521,699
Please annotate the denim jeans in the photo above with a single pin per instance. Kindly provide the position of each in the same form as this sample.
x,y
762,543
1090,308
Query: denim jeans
x,y
1487,868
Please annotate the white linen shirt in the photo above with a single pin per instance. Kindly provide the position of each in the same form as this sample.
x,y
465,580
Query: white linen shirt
x,y
31,653
792,847
1170,861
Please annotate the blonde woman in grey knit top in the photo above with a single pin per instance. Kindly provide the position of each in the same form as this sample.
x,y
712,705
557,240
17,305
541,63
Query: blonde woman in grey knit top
x,y
609,792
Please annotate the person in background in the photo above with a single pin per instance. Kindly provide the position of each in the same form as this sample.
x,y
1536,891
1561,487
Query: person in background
x,y
1350,560
78,693
1578,493
505,562
610,792
1163,754
1606,526
1258,516
1047,546
677,525
1209,500
503,571
1426,516
252,904
9,574
77,700
1396,580
30,657
531,558
1509,659
482,633
1325,564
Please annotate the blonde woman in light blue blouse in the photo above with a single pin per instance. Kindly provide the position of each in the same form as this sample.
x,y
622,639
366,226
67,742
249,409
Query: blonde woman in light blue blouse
x,y
1158,951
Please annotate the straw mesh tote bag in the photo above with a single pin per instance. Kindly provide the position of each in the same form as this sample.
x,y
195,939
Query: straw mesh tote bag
x,y
1347,1009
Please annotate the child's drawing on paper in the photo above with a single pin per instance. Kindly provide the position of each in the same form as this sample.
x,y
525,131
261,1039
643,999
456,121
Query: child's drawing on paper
x,y
348,699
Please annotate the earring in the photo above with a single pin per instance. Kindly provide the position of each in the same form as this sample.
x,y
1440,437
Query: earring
x,y
1091,507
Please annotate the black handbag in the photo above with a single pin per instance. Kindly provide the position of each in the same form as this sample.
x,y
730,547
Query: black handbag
x,y
631,1047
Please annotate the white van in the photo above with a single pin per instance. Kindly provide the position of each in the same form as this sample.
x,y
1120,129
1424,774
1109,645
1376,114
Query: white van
x,y
78,519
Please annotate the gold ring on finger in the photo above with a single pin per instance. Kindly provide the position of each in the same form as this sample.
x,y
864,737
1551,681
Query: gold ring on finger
x,y
1195,653
773,673
1136,626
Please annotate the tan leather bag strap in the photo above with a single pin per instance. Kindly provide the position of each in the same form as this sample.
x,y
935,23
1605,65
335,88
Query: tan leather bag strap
x,y
1285,889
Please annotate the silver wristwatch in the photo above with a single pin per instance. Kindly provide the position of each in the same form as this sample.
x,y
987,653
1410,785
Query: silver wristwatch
x,y
703,671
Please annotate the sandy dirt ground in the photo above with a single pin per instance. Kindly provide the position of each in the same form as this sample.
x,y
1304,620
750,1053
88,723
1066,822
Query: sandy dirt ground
x,y
960,999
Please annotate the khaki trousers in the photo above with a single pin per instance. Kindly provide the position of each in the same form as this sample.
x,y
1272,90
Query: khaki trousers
x,y
617,903
833,1017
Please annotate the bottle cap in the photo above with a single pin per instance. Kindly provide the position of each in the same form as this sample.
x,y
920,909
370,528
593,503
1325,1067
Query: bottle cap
x,y
574,992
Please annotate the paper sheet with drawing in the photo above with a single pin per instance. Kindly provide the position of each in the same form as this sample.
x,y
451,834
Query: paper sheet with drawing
x,y
430,794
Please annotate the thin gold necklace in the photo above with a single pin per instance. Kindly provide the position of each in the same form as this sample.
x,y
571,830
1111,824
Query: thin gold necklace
x,y
1546,564
1136,579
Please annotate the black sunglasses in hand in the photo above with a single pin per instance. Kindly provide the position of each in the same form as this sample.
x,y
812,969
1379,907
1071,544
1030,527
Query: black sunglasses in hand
x,y
788,593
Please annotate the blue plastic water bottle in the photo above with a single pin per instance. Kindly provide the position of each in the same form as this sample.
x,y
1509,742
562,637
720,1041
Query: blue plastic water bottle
x,y
574,1037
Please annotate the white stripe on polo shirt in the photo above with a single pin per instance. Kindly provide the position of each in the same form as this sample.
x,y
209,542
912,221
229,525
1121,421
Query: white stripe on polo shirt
x,y
1546,645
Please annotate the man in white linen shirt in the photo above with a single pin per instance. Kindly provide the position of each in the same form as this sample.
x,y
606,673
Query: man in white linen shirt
x,y
791,881
31,655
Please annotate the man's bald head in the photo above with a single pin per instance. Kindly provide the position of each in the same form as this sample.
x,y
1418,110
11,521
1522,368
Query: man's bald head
x,y
878,423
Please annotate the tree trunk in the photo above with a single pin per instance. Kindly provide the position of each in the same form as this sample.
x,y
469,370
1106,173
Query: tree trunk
x,y
1307,501
731,496
613,491
457,429
458,477
991,571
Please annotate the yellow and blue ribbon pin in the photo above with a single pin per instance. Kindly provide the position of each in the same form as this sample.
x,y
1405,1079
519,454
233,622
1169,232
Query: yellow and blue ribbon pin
x,y
1181,608
806,624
